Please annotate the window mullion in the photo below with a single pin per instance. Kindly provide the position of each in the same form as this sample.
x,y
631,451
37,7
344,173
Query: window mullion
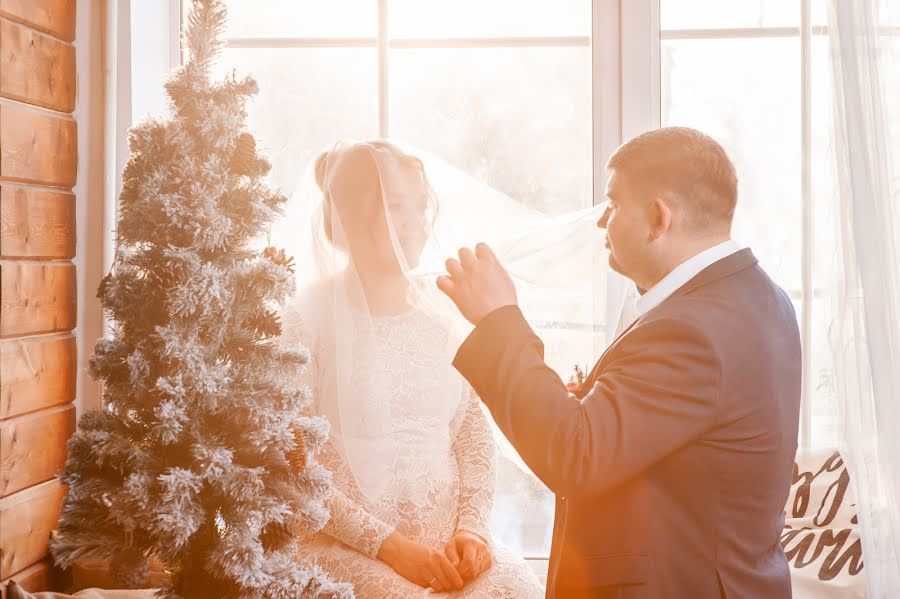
x,y
301,42
637,77
606,128
492,42
729,33
640,78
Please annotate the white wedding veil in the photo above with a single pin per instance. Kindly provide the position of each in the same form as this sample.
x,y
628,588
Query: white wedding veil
x,y
370,225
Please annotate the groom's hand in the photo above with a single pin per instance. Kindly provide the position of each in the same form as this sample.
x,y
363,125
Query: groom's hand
x,y
477,283
469,554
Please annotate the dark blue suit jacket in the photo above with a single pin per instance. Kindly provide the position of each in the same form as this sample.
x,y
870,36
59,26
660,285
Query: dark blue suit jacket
x,y
672,470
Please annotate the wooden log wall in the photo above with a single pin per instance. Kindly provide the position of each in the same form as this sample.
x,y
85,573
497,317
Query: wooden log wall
x,y
38,159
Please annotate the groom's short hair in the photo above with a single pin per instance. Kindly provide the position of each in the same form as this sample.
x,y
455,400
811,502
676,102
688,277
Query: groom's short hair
x,y
686,163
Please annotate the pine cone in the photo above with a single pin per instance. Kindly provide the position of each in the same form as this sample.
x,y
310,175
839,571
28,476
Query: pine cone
x,y
130,569
297,456
278,534
244,161
278,257
170,275
105,282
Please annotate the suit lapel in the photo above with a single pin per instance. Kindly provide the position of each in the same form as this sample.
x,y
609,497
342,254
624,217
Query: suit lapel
x,y
717,270
595,371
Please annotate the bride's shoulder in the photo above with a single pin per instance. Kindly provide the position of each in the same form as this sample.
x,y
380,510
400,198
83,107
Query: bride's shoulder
x,y
301,313
313,296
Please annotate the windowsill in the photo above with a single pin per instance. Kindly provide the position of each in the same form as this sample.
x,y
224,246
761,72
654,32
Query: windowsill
x,y
539,567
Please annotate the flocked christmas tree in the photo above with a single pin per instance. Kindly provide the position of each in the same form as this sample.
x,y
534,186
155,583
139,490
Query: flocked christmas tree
x,y
200,457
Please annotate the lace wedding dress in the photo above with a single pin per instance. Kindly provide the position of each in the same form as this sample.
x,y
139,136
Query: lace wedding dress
x,y
432,489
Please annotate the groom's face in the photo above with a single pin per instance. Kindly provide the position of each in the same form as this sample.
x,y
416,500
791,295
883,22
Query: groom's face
x,y
627,224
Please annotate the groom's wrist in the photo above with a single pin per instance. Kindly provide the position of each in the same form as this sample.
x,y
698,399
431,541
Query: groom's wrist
x,y
491,335
497,314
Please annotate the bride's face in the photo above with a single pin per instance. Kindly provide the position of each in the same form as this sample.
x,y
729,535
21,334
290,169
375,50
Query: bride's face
x,y
397,202
407,210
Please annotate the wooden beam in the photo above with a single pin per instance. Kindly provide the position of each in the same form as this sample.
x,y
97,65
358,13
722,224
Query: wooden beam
x,y
35,68
36,374
37,147
36,298
26,521
56,17
34,579
33,447
36,224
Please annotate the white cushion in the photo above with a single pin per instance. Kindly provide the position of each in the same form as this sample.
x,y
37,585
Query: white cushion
x,y
821,537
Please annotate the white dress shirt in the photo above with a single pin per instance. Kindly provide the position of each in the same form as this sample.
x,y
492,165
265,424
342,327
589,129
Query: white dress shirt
x,y
637,305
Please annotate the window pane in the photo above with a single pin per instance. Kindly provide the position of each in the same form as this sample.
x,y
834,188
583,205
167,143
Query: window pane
x,y
308,98
302,18
746,94
518,119
823,424
716,14
818,11
826,247
822,380
474,18
827,320
824,182
523,506
888,13
889,65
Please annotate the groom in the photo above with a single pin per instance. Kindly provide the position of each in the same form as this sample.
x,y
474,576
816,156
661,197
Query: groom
x,y
672,464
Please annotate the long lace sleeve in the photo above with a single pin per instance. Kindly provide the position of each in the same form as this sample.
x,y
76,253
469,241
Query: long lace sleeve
x,y
350,522
475,454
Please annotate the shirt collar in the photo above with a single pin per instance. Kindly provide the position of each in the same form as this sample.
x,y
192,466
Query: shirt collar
x,y
683,273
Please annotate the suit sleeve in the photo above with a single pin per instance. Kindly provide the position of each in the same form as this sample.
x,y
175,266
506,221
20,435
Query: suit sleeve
x,y
657,393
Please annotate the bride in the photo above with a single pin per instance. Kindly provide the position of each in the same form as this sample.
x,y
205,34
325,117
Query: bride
x,y
411,452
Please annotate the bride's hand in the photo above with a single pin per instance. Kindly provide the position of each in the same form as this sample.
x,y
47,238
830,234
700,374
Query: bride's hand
x,y
419,564
469,553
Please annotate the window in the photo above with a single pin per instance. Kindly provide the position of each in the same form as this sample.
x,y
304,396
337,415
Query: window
x,y
506,96
501,89
531,96
756,75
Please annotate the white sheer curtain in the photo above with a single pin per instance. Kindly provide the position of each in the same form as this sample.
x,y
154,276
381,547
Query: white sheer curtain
x,y
865,291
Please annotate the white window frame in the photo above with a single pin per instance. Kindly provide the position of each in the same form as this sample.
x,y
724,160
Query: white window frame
x,y
625,45
625,102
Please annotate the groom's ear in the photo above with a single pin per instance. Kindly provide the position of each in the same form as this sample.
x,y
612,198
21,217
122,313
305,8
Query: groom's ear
x,y
660,217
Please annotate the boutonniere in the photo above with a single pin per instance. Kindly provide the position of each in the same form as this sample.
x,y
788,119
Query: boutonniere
x,y
576,380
